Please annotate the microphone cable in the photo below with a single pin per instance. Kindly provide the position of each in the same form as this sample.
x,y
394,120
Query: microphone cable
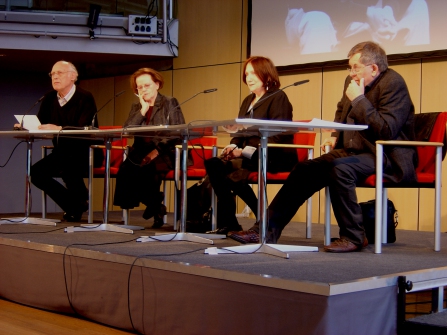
x,y
65,271
142,290
12,152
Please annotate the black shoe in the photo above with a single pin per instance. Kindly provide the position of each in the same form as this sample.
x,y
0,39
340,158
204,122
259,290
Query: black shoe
x,y
148,213
76,215
72,217
158,219
224,230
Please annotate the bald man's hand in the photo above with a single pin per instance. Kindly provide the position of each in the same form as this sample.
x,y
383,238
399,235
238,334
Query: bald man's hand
x,y
49,126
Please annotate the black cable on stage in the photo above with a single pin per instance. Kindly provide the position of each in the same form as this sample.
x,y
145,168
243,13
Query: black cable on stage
x,y
64,270
130,273
108,243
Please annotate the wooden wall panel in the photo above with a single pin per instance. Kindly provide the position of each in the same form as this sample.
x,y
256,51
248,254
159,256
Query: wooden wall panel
x,y
306,98
124,101
220,105
434,85
411,72
210,32
103,90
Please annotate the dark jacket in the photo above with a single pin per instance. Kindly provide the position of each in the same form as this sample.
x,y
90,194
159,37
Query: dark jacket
x,y
273,105
389,114
166,111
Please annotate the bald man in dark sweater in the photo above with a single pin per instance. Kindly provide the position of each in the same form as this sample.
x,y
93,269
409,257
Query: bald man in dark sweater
x,y
68,106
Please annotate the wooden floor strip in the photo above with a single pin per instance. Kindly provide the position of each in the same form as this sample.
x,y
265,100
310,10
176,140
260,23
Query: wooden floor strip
x,y
18,319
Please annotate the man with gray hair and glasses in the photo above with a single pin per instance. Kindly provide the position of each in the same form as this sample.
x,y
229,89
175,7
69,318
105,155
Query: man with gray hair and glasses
x,y
66,107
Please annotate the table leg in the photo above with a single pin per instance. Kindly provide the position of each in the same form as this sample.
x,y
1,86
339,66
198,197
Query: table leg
x,y
183,235
27,219
105,226
270,249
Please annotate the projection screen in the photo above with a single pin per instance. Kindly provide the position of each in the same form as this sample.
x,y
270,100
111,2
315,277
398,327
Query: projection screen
x,y
314,31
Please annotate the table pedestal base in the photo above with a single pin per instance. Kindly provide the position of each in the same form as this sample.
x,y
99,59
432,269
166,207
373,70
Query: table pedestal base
x,y
269,249
44,222
101,227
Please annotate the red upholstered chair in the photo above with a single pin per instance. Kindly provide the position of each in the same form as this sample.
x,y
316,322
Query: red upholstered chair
x,y
430,142
117,154
200,148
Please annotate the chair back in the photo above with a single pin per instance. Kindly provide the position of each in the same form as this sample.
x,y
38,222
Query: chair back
x,y
198,154
116,156
431,131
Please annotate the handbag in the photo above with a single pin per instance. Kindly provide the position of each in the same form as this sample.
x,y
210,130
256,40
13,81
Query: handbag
x,y
369,220
198,210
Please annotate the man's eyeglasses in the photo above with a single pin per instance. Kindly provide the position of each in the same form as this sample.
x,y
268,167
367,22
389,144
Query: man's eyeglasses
x,y
356,69
57,73
145,86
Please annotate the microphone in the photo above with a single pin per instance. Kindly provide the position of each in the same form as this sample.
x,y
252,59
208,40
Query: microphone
x,y
298,83
94,116
280,90
26,113
211,90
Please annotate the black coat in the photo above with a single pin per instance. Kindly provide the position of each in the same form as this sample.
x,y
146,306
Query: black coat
x,y
166,111
389,113
274,105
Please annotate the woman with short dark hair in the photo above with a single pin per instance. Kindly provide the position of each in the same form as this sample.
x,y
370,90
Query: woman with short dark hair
x,y
228,173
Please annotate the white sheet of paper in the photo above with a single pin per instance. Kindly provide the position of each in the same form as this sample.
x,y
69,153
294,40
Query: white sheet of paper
x,y
30,122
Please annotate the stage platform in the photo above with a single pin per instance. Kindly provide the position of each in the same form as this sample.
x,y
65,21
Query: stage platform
x,y
175,288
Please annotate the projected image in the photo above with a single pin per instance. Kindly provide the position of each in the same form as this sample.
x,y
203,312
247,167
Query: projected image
x,y
314,31
323,30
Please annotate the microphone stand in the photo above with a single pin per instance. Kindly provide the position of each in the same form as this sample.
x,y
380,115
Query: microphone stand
x,y
270,95
26,113
178,106
94,116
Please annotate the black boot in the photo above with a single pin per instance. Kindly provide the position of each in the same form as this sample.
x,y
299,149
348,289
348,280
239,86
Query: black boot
x,y
158,219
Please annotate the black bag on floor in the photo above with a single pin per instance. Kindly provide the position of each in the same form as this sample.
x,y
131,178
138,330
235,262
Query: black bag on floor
x,y
198,209
369,218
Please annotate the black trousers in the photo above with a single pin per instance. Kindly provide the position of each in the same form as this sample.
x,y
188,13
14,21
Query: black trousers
x,y
342,172
72,168
227,183
137,184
